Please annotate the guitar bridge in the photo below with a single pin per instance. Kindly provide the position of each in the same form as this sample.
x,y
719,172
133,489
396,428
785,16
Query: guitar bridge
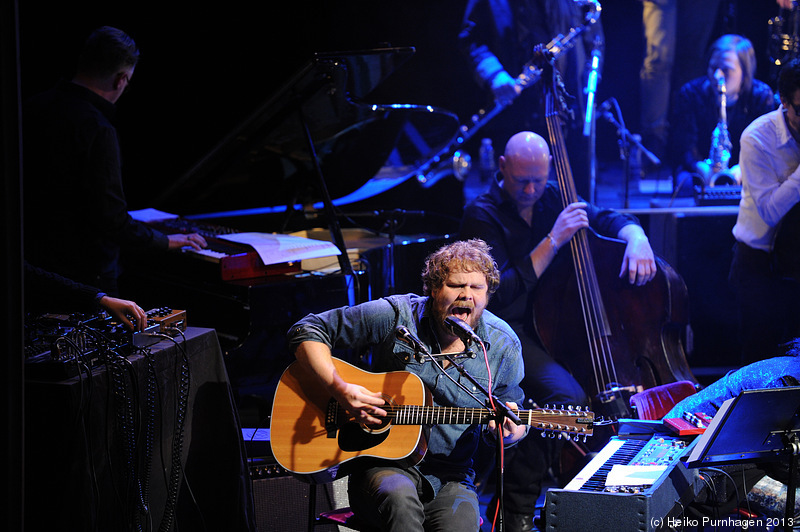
x,y
332,418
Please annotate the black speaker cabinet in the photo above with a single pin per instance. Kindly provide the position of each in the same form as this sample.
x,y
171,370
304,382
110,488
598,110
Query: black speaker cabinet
x,y
698,243
282,502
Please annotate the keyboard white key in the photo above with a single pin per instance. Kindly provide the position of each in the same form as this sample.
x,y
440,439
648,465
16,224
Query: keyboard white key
x,y
206,253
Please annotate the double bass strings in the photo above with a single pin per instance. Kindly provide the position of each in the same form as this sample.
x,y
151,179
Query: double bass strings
x,y
594,313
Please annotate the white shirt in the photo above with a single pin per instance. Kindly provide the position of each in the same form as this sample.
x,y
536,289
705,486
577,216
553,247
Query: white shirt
x,y
770,163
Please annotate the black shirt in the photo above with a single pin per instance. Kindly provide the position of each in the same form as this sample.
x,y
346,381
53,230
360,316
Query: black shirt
x,y
493,217
76,217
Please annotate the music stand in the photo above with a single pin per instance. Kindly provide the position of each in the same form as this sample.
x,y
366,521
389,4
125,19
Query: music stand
x,y
755,426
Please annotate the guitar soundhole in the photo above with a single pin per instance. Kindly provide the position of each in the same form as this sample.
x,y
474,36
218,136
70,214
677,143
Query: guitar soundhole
x,y
386,422
353,438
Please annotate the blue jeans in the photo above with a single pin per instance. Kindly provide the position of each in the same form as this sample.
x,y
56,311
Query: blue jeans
x,y
391,498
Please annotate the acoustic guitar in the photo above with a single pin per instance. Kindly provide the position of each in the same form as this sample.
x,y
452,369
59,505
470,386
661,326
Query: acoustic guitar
x,y
311,433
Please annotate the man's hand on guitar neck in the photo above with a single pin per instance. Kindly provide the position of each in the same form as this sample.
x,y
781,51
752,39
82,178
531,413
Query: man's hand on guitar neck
x,y
364,405
511,431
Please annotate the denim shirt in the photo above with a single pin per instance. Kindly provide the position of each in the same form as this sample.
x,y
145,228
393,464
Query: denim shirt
x,y
776,372
373,324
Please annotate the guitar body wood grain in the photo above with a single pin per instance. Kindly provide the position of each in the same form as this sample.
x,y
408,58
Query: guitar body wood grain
x,y
302,443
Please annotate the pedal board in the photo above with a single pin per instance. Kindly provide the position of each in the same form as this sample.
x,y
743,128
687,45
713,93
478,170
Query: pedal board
x,y
60,346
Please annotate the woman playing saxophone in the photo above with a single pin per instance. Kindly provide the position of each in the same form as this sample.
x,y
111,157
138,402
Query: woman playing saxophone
x,y
711,112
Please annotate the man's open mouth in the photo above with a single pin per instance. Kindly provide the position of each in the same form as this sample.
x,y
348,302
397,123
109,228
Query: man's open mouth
x,y
461,312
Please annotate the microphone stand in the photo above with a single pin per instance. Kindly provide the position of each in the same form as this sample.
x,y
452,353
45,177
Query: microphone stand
x,y
500,412
626,138
589,121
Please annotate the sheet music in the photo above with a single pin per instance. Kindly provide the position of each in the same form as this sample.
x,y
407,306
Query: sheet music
x,y
634,475
277,248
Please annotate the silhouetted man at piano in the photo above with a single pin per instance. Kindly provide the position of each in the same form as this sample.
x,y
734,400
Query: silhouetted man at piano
x,y
76,217
439,492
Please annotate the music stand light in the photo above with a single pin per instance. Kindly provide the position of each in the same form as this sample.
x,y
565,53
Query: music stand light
x,y
756,426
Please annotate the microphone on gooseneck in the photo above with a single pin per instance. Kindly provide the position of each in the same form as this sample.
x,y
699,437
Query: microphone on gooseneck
x,y
459,327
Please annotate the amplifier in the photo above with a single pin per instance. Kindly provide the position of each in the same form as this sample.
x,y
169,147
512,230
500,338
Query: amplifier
x,y
282,501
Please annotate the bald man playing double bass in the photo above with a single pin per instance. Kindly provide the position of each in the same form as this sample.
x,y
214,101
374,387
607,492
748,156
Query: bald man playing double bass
x,y
524,221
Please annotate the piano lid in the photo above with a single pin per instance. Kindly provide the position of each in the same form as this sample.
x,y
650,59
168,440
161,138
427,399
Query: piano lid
x,y
266,160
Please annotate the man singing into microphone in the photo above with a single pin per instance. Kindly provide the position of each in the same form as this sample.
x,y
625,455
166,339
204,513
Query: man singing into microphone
x,y
439,492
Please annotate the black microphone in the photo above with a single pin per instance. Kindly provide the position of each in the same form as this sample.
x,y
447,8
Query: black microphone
x,y
402,333
460,328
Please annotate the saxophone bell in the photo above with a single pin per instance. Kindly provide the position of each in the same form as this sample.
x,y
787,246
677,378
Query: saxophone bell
x,y
726,178
706,176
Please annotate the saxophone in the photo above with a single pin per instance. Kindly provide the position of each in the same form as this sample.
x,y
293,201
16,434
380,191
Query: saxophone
x,y
714,171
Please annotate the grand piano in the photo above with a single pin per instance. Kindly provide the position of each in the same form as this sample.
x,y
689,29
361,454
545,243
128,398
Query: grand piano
x,y
315,157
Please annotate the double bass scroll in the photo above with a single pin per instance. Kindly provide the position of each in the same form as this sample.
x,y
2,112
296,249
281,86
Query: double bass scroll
x,y
614,337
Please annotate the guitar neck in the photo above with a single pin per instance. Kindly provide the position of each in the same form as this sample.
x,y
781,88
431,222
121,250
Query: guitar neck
x,y
437,415
574,421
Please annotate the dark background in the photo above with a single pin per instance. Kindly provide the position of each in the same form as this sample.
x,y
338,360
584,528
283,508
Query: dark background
x,y
205,69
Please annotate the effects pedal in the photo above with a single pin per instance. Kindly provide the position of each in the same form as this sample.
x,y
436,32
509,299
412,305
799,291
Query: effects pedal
x,y
167,318
160,321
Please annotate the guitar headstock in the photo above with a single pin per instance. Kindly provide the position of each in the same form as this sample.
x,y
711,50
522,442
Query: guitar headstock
x,y
570,422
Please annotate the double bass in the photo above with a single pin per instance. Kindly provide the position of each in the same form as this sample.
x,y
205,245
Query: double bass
x,y
615,338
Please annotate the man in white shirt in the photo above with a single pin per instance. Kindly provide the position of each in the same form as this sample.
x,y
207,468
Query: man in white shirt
x,y
767,289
